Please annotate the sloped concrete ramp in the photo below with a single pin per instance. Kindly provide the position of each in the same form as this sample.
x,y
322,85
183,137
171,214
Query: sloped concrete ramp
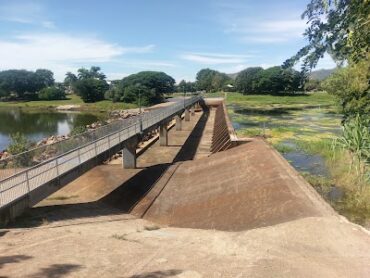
x,y
246,187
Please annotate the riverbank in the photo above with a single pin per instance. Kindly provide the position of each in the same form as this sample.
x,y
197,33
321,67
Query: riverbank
x,y
72,100
302,129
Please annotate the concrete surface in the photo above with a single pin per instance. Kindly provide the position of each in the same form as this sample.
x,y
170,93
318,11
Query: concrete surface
x,y
244,212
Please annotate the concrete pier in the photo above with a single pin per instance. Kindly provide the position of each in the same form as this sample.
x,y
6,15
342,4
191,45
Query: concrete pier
x,y
163,135
129,153
178,122
187,114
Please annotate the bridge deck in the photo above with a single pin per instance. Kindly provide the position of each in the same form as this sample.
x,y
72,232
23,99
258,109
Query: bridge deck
x,y
103,179
73,154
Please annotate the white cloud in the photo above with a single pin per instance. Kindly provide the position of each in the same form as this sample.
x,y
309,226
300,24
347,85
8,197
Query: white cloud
x,y
269,31
26,13
261,23
59,52
116,75
214,58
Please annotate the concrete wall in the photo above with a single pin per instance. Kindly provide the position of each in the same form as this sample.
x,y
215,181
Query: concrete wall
x,y
224,136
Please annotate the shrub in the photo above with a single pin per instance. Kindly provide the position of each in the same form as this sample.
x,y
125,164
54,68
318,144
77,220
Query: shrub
x,y
20,144
78,130
52,93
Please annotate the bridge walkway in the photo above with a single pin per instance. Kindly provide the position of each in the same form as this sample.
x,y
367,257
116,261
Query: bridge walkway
x,y
101,181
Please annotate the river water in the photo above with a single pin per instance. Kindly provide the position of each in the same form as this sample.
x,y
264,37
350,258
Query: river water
x,y
292,124
38,124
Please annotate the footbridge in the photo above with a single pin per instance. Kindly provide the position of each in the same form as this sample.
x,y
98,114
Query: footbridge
x,y
28,178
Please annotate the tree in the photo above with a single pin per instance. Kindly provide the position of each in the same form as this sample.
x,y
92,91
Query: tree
x,y
70,79
90,89
89,84
187,86
93,72
23,83
351,86
151,86
312,85
247,80
340,28
211,80
45,77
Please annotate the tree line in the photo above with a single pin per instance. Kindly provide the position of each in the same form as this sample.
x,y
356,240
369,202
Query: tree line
x,y
29,85
251,80
91,85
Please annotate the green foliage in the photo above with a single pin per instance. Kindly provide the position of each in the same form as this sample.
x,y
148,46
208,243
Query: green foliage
x,y
24,84
186,86
18,143
356,137
90,84
351,86
340,28
147,87
78,130
271,80
211,80
93,72
45,77
90,89
247,80
312,85
52,93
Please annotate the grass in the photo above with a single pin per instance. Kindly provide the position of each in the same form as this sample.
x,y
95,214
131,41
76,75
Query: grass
x,y
308,123
316,99
104,105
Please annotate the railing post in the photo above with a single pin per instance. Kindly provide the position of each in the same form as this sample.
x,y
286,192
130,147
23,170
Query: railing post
x,y
57,166
1,196
79,156
28,182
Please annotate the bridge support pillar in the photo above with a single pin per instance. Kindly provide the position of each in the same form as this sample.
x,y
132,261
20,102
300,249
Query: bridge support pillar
x,y
192,110
178,122
129,153
187,115
163,135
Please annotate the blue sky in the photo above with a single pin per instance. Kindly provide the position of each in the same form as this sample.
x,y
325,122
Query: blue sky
x,y
128,36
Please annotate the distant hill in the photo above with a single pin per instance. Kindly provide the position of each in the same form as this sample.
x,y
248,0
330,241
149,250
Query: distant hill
x,y
321,74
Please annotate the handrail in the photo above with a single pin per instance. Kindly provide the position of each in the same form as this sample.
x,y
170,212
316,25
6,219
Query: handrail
x,y
75,151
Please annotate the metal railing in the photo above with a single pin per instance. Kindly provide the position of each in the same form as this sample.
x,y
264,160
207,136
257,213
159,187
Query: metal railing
x,y
22,173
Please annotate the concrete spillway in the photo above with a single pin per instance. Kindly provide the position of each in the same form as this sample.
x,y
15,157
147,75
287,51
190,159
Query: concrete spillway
x,y
246,187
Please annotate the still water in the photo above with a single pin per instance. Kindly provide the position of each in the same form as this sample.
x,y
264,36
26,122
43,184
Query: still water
x,y
36,125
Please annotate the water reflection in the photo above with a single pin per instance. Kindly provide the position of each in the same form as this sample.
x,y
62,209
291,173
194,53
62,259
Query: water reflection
x,y
36,125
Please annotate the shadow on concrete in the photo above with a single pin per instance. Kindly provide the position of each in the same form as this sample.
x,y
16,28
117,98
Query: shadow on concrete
x,y
3,233
56,271
157,274
189,149
12,260
121,200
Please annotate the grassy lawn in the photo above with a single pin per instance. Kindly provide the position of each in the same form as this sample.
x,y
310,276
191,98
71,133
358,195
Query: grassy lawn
x,y
104,105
